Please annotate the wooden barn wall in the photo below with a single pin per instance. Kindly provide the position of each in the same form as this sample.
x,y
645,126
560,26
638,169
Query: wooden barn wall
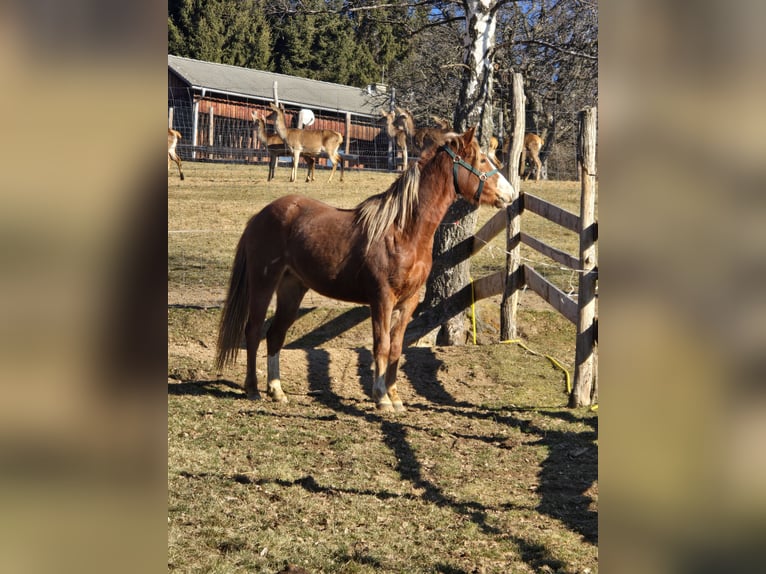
x,y
234,130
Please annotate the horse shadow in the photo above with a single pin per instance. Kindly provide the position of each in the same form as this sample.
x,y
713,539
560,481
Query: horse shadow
x,y
207,387
329,330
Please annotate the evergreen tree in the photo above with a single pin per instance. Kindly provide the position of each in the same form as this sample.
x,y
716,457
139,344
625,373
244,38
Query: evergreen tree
x,y
224,31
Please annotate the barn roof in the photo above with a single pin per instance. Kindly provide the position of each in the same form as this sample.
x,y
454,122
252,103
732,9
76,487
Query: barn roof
x,y
257,84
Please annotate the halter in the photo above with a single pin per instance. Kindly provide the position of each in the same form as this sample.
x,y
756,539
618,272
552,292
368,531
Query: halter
x,y
458,161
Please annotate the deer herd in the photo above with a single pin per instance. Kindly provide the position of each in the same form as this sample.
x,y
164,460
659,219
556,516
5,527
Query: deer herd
x,y
310,144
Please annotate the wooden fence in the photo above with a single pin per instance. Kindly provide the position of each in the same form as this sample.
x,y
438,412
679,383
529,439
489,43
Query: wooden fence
x,y
516,275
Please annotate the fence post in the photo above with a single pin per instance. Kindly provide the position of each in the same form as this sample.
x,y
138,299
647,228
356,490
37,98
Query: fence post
x,y
391,156
253,143
582,390
514,279
170,118
348,133
195,125
210,134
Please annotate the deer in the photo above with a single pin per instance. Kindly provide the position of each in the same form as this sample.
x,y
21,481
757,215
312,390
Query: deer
x,y
533,143
426,137
309,142
276,147
396,129
173,137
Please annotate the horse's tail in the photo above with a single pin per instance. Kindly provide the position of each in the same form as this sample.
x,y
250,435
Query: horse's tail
x,y
235,311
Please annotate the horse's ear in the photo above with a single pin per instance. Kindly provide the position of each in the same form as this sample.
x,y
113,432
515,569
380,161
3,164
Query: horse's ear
x,y
467,137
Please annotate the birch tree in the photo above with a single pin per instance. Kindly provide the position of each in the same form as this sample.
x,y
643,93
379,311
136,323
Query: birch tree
x,y
474,107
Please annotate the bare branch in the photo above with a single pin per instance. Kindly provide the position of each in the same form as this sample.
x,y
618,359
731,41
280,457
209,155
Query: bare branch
x,y
552,47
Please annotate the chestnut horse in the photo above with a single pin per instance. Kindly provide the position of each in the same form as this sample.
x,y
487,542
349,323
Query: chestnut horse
x,y
378,253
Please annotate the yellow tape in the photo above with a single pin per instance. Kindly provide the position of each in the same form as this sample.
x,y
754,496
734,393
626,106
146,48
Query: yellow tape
x,y
551,359
522,345
473,311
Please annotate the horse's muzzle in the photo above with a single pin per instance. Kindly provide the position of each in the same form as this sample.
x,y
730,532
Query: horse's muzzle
x,y
504,194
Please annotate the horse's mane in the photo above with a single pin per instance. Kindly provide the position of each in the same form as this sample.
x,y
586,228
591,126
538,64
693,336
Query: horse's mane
x,y
396,205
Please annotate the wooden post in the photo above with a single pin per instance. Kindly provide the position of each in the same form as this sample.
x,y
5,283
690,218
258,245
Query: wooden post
x,y
195,128
210,135
170,118
391,156
253,143
347,136
582,390
514,279
276,94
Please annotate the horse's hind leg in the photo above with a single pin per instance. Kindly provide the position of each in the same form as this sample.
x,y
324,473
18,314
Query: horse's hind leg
x,y
290,293
259,303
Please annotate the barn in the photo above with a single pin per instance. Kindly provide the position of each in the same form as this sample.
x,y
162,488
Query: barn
x,y
211,105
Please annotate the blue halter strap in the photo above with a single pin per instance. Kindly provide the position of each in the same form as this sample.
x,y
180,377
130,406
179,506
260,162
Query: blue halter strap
x,y
458,161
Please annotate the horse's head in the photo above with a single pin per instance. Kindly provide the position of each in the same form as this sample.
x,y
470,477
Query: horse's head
x,y
475,177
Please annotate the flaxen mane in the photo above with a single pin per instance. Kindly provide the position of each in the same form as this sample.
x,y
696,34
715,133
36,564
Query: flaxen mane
x,y
397,205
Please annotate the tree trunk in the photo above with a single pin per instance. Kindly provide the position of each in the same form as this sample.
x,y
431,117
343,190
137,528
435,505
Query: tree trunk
x,y
474,107
446,276
474,104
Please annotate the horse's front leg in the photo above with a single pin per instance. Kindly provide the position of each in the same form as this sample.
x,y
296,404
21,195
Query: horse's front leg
x,y
401,317
381,321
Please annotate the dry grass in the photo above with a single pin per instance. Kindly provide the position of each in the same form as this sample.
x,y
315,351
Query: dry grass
x,y
487,471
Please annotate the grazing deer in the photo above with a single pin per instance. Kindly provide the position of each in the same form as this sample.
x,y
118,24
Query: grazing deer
x,y
309,142
173,137
533,143
276,147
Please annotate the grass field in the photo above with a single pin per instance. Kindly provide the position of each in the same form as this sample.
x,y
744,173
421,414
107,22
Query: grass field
x,y
487,471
